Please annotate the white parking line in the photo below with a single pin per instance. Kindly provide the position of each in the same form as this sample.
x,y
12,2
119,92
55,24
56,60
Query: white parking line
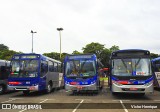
x,y
123,106
78,106
84,99
119,100
23,110
8,101
11,99
44,100
157,100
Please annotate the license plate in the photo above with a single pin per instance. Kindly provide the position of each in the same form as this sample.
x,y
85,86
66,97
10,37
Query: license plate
x,y
79,87
133,89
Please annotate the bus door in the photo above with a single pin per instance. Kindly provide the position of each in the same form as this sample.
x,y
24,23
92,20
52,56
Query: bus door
x,y
157,74
43,72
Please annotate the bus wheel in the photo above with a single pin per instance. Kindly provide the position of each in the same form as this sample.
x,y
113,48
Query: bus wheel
x,y
49,89
114,93
2,89
26,92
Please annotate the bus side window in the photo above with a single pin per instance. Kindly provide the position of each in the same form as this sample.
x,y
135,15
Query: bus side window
x,y
59,67
44,68
51,66
55,67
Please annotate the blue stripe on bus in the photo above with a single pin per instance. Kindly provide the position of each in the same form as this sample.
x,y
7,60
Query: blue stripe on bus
x,y
134,81
82,81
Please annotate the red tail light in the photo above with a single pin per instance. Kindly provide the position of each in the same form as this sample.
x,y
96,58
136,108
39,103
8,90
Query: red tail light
x,y
123,82
14,83
73,83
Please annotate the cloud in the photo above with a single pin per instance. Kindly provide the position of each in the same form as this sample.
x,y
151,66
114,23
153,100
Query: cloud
x,y
128,24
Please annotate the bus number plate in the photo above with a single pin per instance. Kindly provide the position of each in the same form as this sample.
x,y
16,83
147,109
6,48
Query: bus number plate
x,y
133,89
79,87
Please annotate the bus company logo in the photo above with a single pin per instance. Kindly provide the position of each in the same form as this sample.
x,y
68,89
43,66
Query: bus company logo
x,y
6,106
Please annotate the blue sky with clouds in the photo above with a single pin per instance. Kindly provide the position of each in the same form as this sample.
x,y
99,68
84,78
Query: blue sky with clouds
x,y
126,23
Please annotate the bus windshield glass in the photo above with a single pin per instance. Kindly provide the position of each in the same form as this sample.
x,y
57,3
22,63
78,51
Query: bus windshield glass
x,y
80,68
131,67
24,68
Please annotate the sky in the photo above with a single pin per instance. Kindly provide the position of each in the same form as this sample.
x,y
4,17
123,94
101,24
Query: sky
x,y
129,24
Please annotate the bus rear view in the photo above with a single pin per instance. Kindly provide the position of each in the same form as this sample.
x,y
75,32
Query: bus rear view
x,y
131,72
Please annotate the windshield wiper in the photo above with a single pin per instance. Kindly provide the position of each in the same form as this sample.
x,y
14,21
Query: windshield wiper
x,y
137,63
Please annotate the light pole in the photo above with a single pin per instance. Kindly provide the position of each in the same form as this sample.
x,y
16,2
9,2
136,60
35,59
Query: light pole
x,y
60,29
32,39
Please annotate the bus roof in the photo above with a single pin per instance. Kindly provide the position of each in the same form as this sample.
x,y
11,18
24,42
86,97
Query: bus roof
x,y
156,59
131,50
130,53
80,56
41,56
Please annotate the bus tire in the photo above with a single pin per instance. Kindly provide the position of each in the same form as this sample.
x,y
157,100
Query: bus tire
x,y
49,88
26,92
114,93
2,89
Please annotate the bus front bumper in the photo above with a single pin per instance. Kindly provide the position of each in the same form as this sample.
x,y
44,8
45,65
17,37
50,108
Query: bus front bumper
x,y
133,88
23,88
81,87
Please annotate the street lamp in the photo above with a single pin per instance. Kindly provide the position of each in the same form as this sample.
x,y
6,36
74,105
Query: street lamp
x,y
32,39
60,29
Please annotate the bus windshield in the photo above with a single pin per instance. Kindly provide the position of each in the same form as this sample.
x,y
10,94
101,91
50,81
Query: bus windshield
x,y
24,68
80,68
131,67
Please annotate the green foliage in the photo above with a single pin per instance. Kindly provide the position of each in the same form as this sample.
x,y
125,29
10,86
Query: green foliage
x,y
154,55
114,48
55,55
76,52
95,48
5,53
3,47
103,54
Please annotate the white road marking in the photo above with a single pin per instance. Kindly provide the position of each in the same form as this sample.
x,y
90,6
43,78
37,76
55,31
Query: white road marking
x,y
123,106
84,99
11,99
78,106
23,110
119,100
44,100
157,100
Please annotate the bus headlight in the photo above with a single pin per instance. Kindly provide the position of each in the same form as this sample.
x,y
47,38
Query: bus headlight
x,y
116,83
34,84
149,83
66,82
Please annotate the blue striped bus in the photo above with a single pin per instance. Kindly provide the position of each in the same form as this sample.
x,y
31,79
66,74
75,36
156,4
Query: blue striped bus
x,y
4,73
81,73
131,72
34,72
156,71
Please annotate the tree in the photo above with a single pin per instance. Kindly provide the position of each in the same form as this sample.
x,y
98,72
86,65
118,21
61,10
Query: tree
x,y
103,54
114,48
95,48
55,55
76,52
7,54
153,55
3,47
105,57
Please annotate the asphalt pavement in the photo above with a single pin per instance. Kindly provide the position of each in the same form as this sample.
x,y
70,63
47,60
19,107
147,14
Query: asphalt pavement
x,y
62,101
